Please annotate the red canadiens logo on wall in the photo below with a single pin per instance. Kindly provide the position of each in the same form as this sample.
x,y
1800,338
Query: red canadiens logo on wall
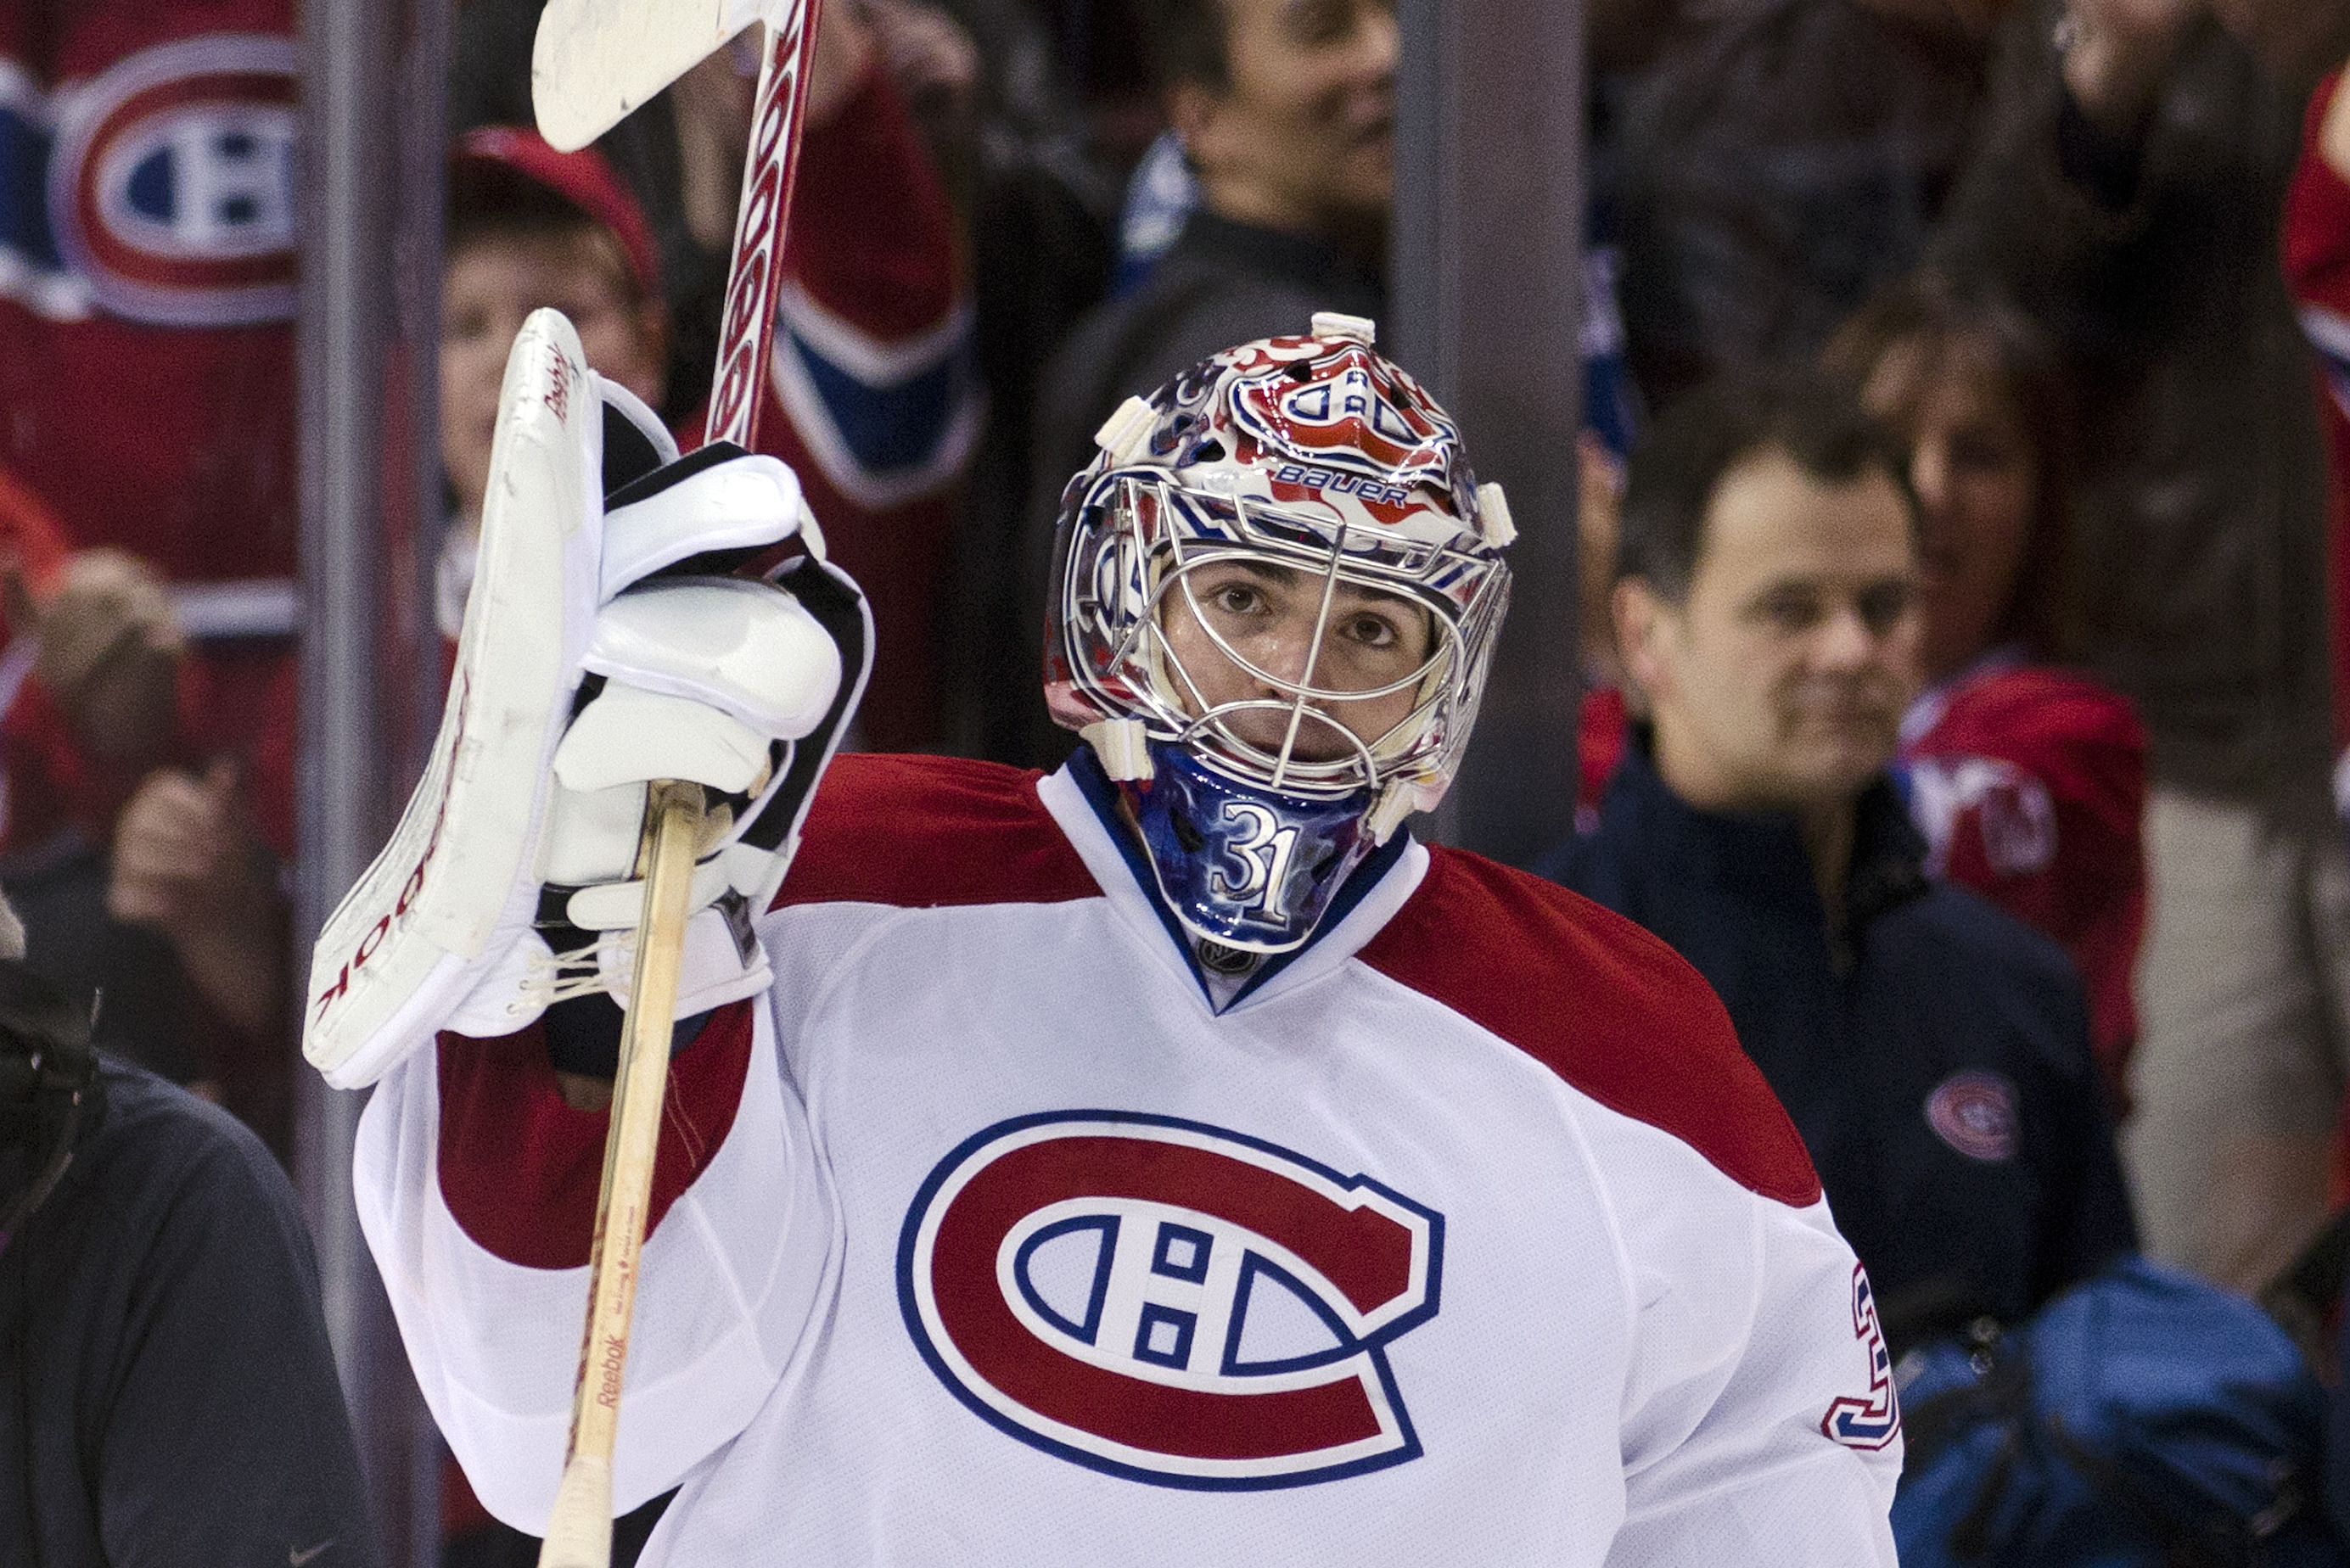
x,y
172,190
1169,1302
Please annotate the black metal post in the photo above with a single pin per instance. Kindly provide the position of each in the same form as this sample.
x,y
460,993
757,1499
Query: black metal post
x,y
372,147
1486,305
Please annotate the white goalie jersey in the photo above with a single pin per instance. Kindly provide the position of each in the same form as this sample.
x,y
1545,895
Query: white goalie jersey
x,y
985,1239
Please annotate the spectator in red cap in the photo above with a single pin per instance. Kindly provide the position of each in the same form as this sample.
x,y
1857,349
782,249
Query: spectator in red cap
x,y
529,226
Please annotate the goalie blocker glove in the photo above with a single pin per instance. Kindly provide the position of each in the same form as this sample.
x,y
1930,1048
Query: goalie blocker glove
x,y
605,645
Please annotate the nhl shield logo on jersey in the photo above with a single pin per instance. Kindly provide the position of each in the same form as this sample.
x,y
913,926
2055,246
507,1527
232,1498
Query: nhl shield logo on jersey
x,y
1170,1302
171,189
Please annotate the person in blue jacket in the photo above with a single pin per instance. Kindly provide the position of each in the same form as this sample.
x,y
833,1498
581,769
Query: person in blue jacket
x,y
1932,1051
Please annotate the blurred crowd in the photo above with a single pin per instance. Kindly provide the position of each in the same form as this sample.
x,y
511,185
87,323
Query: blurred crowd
x,y
1966,615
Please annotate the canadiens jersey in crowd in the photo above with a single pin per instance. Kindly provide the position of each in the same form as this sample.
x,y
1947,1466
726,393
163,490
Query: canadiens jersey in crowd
x,y
147,278
1468,1236
147,295
873,399
2317,266
2029,783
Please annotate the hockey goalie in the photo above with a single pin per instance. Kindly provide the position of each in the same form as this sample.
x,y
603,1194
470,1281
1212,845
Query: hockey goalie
x,y
1165,1161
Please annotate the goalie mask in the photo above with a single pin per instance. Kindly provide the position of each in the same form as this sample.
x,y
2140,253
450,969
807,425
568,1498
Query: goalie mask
x,y
1276,592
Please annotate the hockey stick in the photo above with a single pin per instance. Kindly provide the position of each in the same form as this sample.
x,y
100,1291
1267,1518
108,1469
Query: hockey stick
x,y
579,1530
595,61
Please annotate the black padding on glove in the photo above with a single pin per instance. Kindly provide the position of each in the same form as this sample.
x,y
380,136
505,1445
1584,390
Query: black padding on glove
x,y
629,454
583,1035
827,594
652,481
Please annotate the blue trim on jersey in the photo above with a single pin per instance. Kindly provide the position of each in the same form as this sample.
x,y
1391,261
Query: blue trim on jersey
x,y
890,428
1106,1226
1102,795
1255,1267
25,146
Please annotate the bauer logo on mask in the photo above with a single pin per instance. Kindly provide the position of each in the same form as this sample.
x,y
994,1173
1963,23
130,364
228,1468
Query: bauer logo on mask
x,y
1170,1302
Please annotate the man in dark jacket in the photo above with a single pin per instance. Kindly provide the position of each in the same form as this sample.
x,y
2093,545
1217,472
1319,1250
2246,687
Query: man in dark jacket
x,y
1287,115
167,1393
1933,1052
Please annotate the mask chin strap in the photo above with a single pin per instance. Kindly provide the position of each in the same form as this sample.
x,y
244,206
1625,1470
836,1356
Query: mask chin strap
x,y
1397,801
1123,745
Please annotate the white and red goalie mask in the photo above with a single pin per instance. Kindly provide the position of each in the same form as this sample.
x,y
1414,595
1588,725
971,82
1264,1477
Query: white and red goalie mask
x,y
1314,453
1316,459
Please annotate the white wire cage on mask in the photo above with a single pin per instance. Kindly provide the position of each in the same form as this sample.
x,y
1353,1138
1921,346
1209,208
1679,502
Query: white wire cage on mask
x,y
1133,550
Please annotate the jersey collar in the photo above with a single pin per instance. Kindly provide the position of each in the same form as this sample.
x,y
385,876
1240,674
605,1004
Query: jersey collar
x,y
1084,806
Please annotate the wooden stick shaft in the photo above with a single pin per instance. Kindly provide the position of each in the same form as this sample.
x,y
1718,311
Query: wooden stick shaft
x,y
755,275
579,1531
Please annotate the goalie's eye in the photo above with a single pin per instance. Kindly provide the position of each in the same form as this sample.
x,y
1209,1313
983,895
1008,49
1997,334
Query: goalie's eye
x,y
1239,598
1369,630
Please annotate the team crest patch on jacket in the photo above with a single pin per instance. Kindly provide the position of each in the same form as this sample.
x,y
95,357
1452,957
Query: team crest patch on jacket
x,y
1170,1302
170,186
1974,1112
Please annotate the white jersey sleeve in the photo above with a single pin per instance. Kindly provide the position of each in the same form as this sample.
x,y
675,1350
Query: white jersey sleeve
x,y
476,1190
1724,1457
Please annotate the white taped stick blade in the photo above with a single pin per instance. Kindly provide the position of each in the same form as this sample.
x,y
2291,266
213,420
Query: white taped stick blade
x,y
595,62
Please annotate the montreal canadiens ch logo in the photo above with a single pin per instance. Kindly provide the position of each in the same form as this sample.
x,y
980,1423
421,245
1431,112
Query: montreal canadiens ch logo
x,y
1356,415
1170,1302
172,187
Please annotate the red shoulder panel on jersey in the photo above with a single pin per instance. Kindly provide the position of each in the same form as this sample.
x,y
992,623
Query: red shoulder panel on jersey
x,y
931,833
520,1169
1608,1007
